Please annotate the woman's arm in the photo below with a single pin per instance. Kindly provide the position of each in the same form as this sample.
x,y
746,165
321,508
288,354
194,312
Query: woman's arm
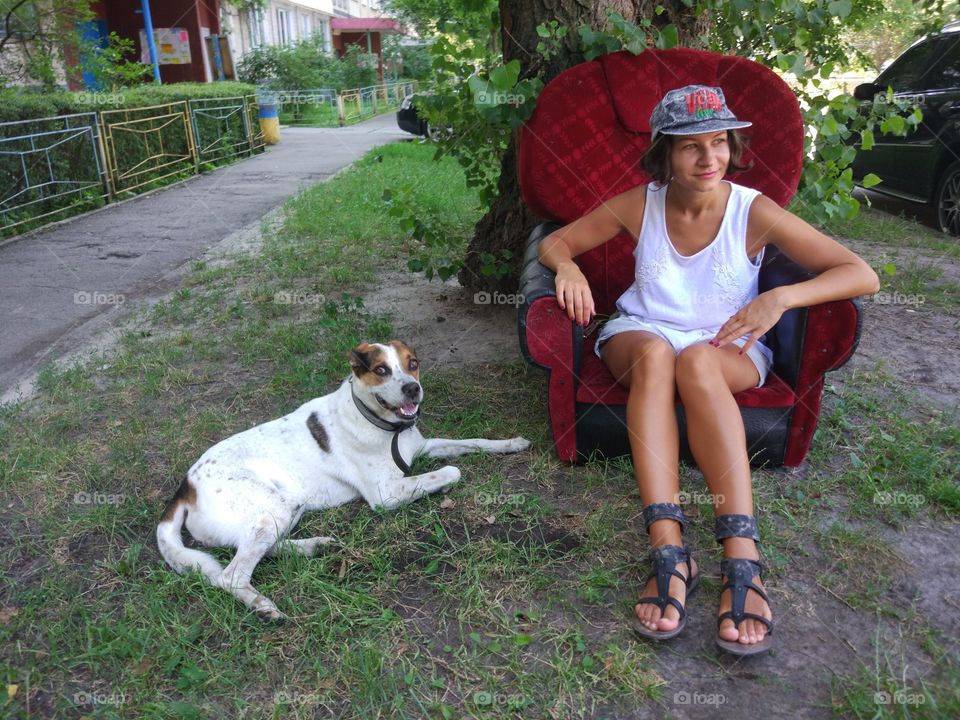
x,y
840,273
557,250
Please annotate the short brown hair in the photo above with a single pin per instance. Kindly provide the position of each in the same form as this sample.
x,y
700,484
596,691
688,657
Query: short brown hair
x,y
656,160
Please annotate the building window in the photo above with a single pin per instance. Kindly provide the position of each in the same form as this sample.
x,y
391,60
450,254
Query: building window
x,y
342,6
306,25
284,29
255,22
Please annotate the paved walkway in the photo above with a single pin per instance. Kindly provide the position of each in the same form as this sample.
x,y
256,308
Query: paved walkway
x,y
57,285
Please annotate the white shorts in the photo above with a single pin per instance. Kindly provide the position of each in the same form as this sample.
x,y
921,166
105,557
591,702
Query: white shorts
x,y
759,353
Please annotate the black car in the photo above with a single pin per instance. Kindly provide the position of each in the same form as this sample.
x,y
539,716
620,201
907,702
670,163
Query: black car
x,y
924,166
408,119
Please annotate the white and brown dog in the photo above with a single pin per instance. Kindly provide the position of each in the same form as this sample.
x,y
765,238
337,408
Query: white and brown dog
x,y
250,490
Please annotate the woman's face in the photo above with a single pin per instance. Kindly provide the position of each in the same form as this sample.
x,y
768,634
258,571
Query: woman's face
x,y
700,161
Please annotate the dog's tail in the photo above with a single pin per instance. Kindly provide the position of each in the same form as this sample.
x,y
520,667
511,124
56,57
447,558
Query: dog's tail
x,y
170,542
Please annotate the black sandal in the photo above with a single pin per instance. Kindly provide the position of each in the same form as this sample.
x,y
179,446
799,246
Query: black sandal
x,y
740,573
664,561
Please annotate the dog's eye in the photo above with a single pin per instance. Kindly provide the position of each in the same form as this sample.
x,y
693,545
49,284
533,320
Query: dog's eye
x,y
414,364
382,370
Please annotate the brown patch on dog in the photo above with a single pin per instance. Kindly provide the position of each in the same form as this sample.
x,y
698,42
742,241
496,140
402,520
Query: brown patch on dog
x,y
364,360
408,358
318,431
186,495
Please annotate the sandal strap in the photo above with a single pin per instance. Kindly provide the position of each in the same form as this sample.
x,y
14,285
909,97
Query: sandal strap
x,y
740,573
664,561
662,511
741,526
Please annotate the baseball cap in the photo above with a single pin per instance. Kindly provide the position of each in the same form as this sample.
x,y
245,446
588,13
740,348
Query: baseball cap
x,y
692,110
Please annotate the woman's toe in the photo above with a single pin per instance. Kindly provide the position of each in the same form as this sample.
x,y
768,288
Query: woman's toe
x,y
666,624
728,631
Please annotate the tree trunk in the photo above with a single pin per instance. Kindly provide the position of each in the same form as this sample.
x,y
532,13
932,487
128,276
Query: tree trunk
x,y
508,223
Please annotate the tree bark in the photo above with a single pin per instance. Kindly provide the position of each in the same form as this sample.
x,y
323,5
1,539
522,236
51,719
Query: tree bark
x,y
508,223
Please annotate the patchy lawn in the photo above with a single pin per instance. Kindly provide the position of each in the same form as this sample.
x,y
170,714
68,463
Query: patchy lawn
x,y
510,596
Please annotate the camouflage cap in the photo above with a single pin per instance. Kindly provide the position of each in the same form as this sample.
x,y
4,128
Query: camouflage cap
x,y
692,110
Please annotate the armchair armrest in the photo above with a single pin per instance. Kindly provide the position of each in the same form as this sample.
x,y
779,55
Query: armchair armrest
x,y
548,338
808,341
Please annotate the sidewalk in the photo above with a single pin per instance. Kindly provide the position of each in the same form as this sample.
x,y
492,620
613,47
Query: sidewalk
x,y
58,286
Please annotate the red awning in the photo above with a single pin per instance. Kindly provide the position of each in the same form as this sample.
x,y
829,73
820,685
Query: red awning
x,y
364,24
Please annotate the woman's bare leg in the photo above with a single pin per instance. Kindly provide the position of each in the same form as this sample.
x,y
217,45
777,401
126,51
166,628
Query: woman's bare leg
x,y
645,364
707,377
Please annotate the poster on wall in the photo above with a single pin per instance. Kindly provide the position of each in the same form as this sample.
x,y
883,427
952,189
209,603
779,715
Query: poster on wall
x,y
173,46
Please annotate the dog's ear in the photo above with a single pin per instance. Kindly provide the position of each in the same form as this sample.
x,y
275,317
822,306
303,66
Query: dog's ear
x,y
360,359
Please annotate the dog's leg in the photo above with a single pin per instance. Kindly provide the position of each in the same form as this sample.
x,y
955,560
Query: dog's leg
x,y
235,578
391,492
307,547
442,447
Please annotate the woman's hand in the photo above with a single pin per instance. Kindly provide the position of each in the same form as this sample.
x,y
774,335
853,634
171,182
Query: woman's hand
x,y
573,293
753,319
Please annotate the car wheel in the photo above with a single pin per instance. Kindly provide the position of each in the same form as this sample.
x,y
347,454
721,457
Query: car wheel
x,y
948,200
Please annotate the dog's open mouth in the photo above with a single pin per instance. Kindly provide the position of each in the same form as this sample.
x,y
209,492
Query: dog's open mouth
x,y
407,412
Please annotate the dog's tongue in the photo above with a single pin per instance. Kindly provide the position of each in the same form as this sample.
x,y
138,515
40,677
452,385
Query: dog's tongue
x,y
409,408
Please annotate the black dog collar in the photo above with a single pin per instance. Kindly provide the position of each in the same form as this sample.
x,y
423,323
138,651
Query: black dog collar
x,y
395,427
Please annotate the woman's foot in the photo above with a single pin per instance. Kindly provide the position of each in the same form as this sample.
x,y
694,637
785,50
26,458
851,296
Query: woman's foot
x,y
749,631
649,614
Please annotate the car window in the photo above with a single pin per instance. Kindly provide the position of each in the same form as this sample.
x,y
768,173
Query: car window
x,y
945,71
907,72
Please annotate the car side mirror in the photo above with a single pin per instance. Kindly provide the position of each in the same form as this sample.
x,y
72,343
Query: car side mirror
x,y
866,91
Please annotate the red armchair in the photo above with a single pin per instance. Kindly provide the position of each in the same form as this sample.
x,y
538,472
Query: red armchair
x,y
582,146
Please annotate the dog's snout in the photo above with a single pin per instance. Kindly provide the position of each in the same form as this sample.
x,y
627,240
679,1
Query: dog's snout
x,y
411,390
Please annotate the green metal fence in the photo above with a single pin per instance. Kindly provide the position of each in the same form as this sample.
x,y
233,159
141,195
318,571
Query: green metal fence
x,y
56,166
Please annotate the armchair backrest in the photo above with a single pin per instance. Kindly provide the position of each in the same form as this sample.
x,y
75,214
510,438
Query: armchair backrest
x,y
591,125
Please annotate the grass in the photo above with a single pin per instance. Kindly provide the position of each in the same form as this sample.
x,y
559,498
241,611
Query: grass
x,y
508,600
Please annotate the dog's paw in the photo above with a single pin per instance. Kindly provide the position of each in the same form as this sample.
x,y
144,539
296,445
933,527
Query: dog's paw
x,y
451,475
518,444
270,613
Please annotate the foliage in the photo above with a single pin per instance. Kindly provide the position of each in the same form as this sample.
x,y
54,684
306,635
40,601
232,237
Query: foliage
x,y
414,59
38,36
438,17
478,100
886,34
305,66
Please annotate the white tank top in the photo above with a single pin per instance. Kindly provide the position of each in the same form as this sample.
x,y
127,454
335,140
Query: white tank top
x,y
695,292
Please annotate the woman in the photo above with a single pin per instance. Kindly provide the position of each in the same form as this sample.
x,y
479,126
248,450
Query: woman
x,y
691,323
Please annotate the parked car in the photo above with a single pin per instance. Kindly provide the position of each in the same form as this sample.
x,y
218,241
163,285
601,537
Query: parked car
x,y
408,119
924,166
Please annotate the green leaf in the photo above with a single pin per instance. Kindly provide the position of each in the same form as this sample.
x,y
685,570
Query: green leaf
x,y
869,180
522,639
840,8
668,38
893,124
505,76
856,461
866,140
543,31
889,269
